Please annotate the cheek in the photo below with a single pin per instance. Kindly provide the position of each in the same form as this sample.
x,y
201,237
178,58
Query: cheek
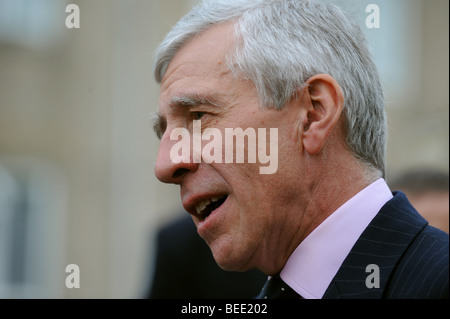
x,y
290,156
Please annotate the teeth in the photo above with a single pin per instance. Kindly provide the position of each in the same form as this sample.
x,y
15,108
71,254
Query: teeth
x,y
202,205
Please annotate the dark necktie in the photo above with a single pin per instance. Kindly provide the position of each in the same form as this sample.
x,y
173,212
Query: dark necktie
x,y
276,288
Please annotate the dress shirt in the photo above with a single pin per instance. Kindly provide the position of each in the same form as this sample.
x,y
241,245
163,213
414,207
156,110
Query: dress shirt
x,y
314,263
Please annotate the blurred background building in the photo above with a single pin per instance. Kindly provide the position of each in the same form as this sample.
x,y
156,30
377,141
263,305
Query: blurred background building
x,y
77,149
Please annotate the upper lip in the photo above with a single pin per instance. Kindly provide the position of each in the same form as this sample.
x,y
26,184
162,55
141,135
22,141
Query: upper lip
x,y
197,201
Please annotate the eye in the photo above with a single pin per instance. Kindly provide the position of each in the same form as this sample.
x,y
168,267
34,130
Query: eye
x,y
197,115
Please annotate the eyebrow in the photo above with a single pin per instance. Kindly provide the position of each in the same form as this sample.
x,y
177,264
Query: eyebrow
x,y
191,100
182,101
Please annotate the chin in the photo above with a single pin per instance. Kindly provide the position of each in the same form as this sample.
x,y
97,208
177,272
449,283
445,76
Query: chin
x,y
230,260
232,266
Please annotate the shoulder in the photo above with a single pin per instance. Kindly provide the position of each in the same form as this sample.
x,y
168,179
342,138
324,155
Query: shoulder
x,y
423,270
412,257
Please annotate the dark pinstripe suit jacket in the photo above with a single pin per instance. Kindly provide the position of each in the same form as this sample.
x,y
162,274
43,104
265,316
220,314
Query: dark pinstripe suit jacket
x,y
412,257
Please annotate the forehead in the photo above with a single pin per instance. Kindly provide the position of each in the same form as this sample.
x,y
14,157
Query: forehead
x,y
200,64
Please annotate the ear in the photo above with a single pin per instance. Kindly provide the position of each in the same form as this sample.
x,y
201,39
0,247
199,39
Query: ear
x,y
325,101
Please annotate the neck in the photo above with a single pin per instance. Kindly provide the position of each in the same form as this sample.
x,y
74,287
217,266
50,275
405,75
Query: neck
x,y
327,190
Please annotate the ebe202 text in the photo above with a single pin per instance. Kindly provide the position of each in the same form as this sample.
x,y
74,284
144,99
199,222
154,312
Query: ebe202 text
x,y
228,308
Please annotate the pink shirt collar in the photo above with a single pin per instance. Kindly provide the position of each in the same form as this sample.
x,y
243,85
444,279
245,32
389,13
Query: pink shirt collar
x,y
315,262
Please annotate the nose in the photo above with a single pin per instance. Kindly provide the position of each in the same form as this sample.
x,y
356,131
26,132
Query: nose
x,y
174,160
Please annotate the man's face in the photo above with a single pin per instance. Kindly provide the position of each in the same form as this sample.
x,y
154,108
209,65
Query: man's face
x,y
247,222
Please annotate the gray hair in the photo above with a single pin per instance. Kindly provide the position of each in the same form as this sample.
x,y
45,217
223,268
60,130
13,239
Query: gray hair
x,y
282,43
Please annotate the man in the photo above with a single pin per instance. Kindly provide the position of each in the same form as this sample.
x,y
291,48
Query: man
x,y
324,222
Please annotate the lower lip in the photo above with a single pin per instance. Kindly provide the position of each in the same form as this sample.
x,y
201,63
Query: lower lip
x,y
206,225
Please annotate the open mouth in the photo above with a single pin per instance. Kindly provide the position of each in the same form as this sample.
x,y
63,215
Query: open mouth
x,y
206,207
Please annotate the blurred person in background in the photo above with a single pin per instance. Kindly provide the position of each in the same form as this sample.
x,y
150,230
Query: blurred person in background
x,y
428,192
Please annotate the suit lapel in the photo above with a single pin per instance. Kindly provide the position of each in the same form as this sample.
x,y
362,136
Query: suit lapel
x,y
382,244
